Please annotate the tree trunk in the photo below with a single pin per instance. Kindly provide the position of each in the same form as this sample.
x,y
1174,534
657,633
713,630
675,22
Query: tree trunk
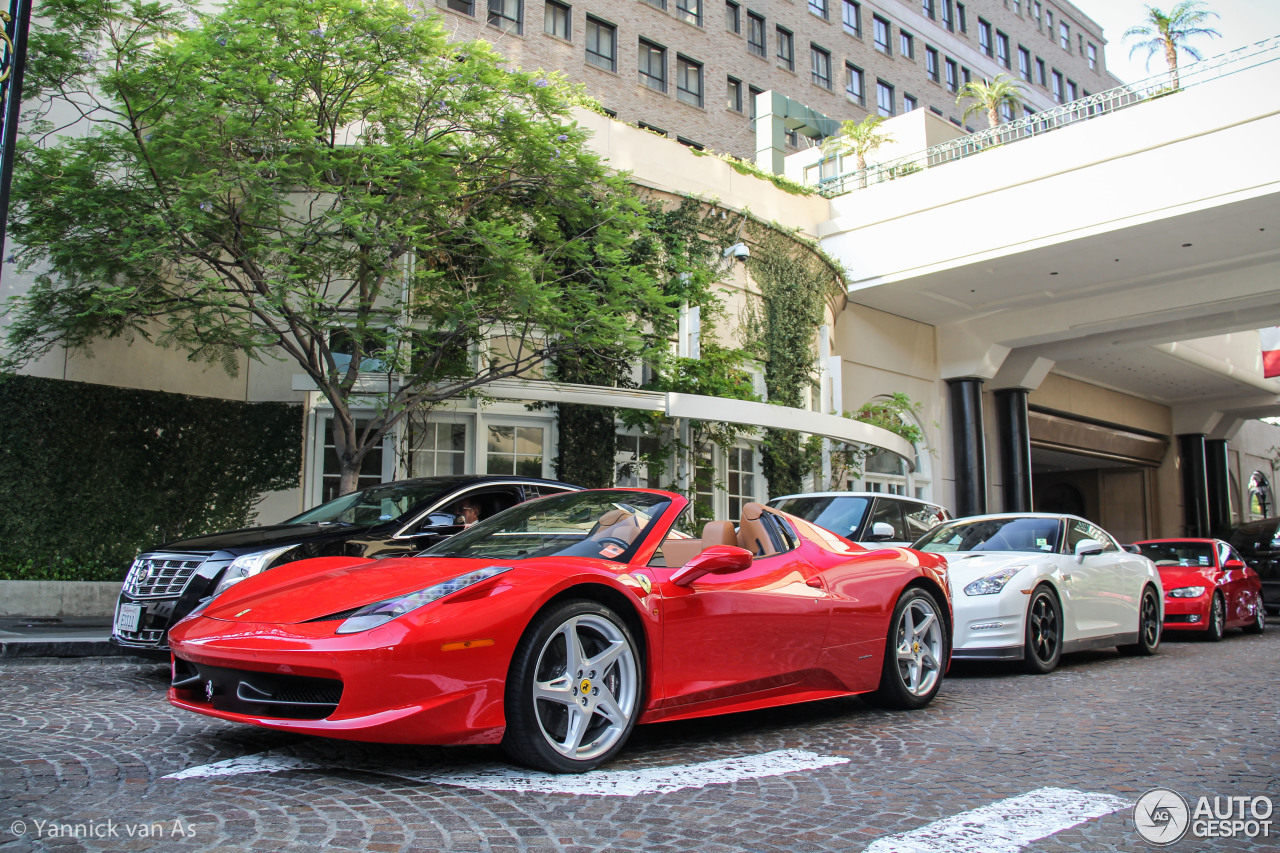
x,y
350,454
993,115
1171,57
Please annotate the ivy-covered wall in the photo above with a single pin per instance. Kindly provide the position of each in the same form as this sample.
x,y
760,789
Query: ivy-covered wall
x,y
93,473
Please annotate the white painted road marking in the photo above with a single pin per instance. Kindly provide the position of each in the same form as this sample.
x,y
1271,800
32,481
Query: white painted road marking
x,y
1004,827
598,783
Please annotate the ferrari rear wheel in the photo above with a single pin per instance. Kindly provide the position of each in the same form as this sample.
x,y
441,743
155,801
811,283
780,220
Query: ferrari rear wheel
x,y
1148,625
915,653
573,693
1217,619
1043,645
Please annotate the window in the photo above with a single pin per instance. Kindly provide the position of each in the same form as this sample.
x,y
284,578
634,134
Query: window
x,y
755,35
820,60
741,480
1057,86
881,29
466,7
1006,112
884,98
853,84
1040,78
931,63
965,76
688,81
819,8
1073,92
631,456
906,44
653,65
689,143
909,103
948,15
852,17
1017,6
1093,56
374,468
734,94
1002,49
1064,36
438,448
962,19
953,76
657,4
936,111
1035,13
507,15
689,11
602,44
651,128
516,450
1024,63
752,91
555,20
984,37
926,7
733,18
786,49
1048,18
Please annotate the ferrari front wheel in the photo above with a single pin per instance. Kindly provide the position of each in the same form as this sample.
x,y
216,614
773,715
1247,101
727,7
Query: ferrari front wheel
x,y
573,692
915,653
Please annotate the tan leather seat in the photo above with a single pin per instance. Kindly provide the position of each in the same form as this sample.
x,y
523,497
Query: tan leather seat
x,y
617,524
718,533
751,532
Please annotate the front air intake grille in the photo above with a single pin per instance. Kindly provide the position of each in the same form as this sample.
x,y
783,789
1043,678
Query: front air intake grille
x,y
256,694
161,575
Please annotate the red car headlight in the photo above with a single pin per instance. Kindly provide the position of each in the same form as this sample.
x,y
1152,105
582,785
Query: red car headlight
x,y
382,612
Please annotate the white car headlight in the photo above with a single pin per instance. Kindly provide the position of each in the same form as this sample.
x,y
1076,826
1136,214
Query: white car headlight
x,y
992,583
247,565
382,612
1186,592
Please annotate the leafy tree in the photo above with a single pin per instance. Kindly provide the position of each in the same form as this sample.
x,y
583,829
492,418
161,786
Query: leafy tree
x,y
327,182
858,138
990,96
1169,32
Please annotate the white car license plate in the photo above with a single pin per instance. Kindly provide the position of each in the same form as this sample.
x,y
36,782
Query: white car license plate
x,y
128,616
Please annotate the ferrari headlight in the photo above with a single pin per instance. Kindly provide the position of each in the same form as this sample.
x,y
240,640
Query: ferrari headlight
x,y
382,612
1186,592
247,565
992,583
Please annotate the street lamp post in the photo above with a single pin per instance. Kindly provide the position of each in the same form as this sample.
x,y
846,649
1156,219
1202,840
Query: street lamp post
x,y
17,22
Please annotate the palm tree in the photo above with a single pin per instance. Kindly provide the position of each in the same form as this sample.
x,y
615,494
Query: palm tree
x,y
858,138
990,96
1169,33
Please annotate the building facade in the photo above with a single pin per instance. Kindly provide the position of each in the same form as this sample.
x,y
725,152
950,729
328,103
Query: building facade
x,y
690,69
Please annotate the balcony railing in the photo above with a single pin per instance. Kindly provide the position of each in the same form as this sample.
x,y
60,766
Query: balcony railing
x,y
1066,115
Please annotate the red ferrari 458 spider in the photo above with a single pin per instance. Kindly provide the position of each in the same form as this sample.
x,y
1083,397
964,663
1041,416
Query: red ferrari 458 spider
x,y
555,626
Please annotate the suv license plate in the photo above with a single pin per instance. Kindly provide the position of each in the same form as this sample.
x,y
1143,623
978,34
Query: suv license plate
x,y
128,616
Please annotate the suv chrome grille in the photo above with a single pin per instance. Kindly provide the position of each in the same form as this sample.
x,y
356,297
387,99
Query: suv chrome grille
x,y
161,575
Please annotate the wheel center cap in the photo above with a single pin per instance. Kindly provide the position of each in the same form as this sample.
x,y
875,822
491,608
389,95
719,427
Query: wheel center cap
x,y
585,687
915,647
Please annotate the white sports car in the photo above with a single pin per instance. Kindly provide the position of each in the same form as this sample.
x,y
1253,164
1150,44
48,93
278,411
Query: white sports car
x,y
1030,586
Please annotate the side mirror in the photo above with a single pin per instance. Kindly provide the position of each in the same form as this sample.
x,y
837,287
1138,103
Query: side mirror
x,y
1233,564
881,531
1088,548
718,559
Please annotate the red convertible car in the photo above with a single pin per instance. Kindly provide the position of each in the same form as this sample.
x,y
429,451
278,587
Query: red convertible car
x,y
1207,587
556,626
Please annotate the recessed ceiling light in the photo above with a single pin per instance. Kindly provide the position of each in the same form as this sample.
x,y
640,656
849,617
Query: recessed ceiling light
x,y
1186,245
1053,273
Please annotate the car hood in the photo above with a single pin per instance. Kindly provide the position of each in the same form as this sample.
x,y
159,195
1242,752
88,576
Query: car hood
x,y
261,538
311,589
1172,577
966,567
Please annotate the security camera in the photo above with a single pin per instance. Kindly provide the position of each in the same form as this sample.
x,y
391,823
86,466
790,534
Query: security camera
x,y
738,251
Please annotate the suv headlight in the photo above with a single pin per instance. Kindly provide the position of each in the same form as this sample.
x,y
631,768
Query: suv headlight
x,y
1186,592
382,612
247,565
992,583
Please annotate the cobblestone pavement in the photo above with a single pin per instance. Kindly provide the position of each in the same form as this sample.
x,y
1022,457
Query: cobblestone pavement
x,y
89,741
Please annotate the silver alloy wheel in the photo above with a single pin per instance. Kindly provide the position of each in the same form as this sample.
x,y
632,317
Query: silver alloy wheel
x,y
586,687
920,645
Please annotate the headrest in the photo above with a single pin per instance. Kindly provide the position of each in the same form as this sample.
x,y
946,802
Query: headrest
x,y
718,533
752,511
612,517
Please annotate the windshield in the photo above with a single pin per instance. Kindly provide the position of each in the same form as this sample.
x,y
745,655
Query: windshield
x,y
1197,554
992,534
841,515
374,505
607,523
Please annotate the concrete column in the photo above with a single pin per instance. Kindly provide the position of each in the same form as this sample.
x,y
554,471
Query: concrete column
x,y
1015,448
1195,489
1218,485
968,447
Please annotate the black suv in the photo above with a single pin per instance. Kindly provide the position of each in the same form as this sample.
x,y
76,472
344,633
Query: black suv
x,y
388,520
1259,543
